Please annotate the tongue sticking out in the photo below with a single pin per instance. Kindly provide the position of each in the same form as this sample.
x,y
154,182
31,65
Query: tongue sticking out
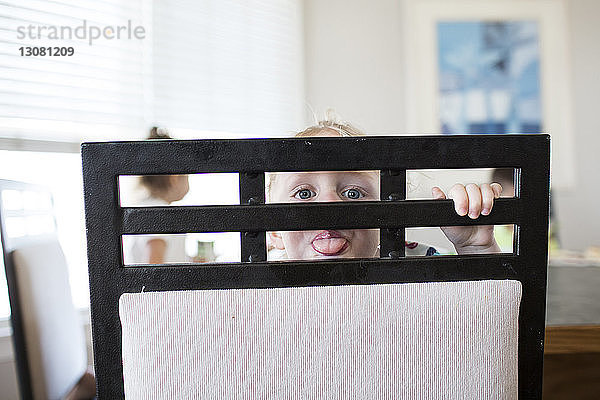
x,y
329,246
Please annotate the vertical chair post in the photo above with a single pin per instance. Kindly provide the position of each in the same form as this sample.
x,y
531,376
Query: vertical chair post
x,y
392,188
252,192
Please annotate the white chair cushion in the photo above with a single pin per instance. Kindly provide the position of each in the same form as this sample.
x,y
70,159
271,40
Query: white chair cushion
x,y
56,347
408,341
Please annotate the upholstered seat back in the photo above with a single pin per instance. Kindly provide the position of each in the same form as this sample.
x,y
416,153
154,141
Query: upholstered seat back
x,y
417,340
54,336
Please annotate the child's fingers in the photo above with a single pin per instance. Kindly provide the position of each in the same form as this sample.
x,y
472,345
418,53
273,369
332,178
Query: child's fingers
x,y
474,194
487,198
458,193
471,199
497,188
438,194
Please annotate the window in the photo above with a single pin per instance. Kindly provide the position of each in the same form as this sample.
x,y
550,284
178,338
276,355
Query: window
x,y
228,66
203,69
61,173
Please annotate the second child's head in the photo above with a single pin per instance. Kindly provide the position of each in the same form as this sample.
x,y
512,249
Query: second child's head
x,y
166,187
325,186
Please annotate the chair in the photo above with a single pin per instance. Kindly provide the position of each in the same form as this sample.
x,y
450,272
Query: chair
x,y
49,341
469,326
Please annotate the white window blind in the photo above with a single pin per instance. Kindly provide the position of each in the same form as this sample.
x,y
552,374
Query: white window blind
x,y
228,66
98,93
233,67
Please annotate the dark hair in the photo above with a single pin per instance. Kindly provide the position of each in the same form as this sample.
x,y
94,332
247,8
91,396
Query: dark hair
x,y
158,133
157,184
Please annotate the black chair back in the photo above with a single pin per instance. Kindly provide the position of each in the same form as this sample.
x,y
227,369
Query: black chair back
x,y
107,221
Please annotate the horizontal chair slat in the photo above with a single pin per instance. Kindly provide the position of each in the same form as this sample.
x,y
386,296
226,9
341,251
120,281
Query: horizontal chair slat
x,y
346,272
302,216
316,154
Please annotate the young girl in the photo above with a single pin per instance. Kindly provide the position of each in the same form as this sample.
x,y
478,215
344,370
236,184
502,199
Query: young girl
x,y
288,187
161,190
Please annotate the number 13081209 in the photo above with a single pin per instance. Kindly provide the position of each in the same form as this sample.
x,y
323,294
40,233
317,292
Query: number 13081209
x,y
46,51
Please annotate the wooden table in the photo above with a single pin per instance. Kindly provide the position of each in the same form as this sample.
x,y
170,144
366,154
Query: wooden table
x,y
572,346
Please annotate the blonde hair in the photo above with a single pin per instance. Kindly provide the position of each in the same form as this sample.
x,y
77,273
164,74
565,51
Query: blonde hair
x,y
344,129
331,122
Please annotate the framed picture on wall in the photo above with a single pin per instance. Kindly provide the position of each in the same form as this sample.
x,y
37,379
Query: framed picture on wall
x,y
498,67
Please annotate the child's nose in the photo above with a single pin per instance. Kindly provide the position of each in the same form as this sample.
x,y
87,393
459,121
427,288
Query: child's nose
x,y
330,195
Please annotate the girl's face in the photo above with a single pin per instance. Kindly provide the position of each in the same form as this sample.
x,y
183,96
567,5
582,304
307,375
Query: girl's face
x,y
291,187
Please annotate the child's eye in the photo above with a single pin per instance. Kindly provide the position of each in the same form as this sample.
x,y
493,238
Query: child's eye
x,y
304,194
353,194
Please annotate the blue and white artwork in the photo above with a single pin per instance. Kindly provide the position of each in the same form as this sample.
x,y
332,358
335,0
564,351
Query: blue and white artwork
x,y
489,74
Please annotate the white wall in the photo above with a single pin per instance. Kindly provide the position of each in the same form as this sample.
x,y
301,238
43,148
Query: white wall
x,y
353,61
577,209
354,64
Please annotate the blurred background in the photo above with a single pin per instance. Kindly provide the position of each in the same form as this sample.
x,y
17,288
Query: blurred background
x,y
266,68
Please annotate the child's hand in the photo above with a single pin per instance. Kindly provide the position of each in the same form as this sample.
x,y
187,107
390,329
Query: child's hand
x,y
472,200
